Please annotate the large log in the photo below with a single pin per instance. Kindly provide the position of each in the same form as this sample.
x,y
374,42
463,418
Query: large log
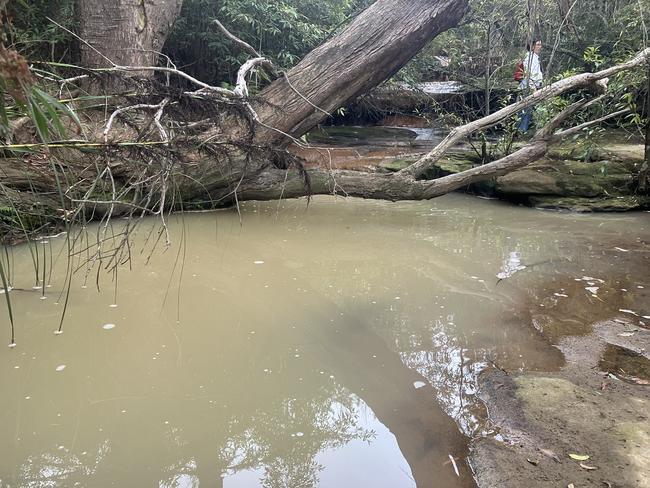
x,y
246,159
370,50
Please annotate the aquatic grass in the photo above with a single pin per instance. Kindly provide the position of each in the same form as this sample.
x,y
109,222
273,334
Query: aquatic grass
x,y
182,251
49,276
7,262
6,287
46,114
44,270
68,271
151,192
25,232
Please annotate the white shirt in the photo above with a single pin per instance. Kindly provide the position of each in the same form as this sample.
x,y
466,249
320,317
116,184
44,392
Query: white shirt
x,y
532,70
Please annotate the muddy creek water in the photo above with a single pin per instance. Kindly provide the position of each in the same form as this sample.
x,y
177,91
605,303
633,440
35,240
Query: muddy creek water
x,y
334,345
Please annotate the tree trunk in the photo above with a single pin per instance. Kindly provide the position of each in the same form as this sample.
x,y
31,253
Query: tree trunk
x,y
644,173
243,155
370,50
124,32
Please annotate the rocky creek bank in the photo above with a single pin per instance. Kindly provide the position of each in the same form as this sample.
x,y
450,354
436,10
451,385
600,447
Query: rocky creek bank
x,y
586,409
602,179
584,421
601,176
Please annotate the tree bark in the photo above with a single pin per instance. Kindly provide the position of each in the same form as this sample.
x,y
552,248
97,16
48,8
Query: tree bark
x,y
124,32
369,51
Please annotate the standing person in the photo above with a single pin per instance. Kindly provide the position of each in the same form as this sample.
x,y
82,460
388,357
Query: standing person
x,y
531,82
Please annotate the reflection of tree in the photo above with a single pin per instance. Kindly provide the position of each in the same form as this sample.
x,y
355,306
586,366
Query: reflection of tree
x,y
285,473
280,435
59,467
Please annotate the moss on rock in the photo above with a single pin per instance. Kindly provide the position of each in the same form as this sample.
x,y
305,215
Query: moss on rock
x,y
582,204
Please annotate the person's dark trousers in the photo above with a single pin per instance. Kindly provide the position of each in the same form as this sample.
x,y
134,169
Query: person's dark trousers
x,y
526,115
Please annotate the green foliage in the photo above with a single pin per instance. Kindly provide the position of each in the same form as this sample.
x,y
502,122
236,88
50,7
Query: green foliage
x,y
30,32
282,30
587,144
45,111
577,37
592,56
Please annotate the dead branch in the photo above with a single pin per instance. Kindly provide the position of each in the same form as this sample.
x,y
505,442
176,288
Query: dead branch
x,y
159,109
242,44
241,90
286,77
578,128
246,47
559,87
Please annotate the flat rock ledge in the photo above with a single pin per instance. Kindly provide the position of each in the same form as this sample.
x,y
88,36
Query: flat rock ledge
x,y
539,419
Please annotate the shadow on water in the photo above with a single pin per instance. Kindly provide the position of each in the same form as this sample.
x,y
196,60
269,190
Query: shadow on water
x,y
203,437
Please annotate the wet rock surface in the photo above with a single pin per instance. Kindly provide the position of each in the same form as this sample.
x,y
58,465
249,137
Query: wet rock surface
x,y
601,177
542,418
602,180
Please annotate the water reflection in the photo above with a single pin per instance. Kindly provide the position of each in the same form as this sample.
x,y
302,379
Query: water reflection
x,y
304,344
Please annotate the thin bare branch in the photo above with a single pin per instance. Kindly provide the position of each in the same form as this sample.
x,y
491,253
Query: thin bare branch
x,y
286,77
242,44
159,110
578,128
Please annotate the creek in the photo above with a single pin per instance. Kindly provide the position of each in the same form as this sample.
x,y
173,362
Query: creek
x,y
337,343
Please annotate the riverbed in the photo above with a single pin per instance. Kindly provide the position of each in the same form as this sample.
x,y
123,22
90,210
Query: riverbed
x,y
336,342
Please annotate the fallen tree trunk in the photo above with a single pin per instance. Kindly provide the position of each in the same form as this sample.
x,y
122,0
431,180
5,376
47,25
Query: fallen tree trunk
x,y
370,50
152,160
150,157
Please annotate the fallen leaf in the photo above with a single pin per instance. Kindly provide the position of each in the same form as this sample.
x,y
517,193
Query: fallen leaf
x,y
579,457
589,468
603,385
532,461
551,454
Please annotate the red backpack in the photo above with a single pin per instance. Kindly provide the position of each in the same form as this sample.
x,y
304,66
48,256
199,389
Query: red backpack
x,y
519,72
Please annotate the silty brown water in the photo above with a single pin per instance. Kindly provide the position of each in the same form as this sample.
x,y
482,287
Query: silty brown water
x,y
332,345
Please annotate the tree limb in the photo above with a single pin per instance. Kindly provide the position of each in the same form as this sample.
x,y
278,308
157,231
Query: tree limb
x,y
241,90
559,87
242,44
